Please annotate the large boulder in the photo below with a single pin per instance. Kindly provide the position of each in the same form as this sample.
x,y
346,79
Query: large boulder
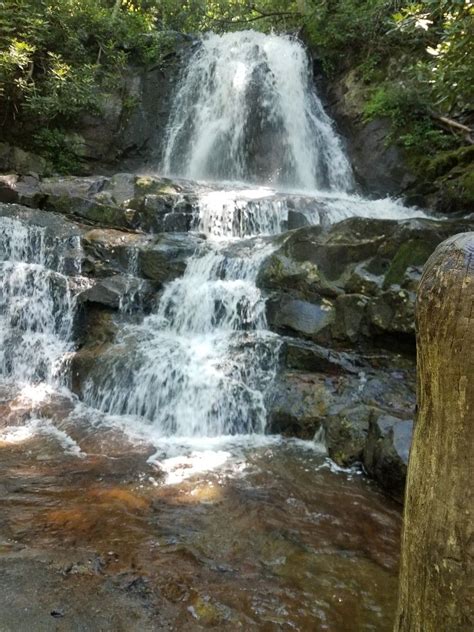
x,y
340,393
120,292
352,281
17,160
124,201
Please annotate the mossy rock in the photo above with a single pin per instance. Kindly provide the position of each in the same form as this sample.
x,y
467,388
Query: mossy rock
x,y
149,185
413,252
448,160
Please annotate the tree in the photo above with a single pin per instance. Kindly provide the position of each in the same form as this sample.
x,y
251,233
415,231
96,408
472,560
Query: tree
x,y
437,572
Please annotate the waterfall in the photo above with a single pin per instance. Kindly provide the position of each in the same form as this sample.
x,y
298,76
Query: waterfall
x,y
203,362
36,304
246,110
201,365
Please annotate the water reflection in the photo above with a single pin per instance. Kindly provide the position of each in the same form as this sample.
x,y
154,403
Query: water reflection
x,y
231,536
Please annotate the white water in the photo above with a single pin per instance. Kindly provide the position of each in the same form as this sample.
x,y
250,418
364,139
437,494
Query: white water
x,y
36,305
200,365
245,110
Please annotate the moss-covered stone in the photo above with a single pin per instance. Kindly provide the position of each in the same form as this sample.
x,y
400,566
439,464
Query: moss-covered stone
x,y
447,160
413,252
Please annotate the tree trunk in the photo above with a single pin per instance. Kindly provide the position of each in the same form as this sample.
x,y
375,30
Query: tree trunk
x,y
436,574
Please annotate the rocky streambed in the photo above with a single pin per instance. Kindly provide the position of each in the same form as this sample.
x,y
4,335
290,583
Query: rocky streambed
x,y
259,531
341,295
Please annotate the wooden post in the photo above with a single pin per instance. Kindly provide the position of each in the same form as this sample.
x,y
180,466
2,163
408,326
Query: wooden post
x,y
436,574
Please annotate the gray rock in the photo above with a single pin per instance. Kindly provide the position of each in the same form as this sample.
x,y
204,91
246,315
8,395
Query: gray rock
x,y
307,356
351,322
346,430
109,251
119,293
299,404
166,258
310,320
386,452
368,271
16,160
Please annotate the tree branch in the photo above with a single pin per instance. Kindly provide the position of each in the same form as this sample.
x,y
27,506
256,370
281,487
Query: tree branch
x,y
454,126
261,16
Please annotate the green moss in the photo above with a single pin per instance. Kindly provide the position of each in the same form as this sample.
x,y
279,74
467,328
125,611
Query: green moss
x,y
412,253
445,161
457,187
148,185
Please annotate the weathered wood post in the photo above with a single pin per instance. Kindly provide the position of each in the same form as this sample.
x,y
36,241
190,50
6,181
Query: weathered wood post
x,y
436,574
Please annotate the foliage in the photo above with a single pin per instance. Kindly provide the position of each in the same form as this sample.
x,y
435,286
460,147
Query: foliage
x,y
56,53
417,59
412,127
58,56
59,148
226,15
447,28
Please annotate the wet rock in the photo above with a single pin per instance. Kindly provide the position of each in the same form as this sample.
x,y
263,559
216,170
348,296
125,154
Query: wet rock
x,y
307,402
351,321
362,281
123,201
121,188
386,452
339,392
310,320
346,430
393,311
299,405
296,220
110,251
96,326
363,272
306,356
72,186
302,277
120,292
166,258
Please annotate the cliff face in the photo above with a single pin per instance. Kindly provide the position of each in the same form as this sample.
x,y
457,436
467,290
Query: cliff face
x,y
126,135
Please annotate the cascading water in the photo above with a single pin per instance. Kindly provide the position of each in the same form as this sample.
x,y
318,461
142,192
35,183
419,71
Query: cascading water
x,y
203,362
261,542
36,304
245,110
200,365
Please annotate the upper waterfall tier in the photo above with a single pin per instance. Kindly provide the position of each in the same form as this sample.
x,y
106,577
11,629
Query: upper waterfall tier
x,y
246,110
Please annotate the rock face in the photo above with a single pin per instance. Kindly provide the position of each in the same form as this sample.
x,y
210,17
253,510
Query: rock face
x,y
352,282
344,296
442,181
380,167
123,201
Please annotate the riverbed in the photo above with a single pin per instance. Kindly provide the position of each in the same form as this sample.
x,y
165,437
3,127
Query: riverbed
x,y
99,532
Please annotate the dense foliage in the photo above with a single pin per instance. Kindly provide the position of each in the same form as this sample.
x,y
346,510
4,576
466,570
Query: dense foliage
x,y
57,57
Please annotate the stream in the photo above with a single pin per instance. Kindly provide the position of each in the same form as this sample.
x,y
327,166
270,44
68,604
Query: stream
x,y
155,500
